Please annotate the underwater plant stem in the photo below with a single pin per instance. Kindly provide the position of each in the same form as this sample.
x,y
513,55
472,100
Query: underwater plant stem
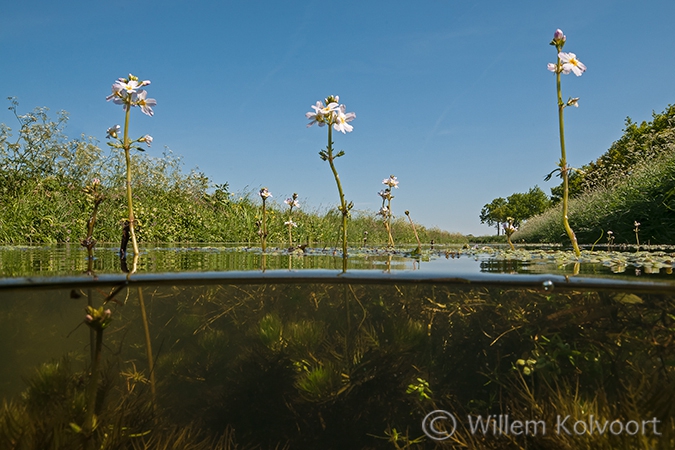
x,y
92,389
343,204
564,170
92,333
127,156
148,348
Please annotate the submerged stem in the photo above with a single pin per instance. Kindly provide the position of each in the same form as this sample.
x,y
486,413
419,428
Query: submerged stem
x,y
92,389
148,348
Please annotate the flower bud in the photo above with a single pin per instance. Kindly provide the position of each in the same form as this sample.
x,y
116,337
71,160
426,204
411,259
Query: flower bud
x,y
112,132
558,39
574,101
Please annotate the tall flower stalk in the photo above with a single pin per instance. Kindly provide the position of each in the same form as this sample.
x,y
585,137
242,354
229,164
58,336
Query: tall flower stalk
x,y
566,63
334,115
385,211
128,93
262,231
292,202
418,251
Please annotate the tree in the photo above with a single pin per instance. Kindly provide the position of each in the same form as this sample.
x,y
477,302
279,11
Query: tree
x,y
495,213
522,206
518,206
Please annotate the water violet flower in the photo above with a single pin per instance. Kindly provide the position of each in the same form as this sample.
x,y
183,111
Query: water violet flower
x,y
127,92
292,202
113,132
570,63
333,114
566,63
392,182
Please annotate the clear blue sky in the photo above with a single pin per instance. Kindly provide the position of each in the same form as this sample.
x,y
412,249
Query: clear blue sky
x,y
452,97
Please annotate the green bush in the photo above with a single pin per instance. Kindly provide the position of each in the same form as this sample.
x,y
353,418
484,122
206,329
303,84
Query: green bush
x,y
647,196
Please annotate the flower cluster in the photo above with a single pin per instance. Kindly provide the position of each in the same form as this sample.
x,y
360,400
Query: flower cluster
x,y
128,92
392,182
567,62
292,202
331,113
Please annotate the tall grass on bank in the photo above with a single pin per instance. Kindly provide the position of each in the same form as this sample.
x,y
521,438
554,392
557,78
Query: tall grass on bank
x,y
43,174
646,194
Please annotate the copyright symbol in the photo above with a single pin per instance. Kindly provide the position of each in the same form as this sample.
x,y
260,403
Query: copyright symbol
x,y
433,425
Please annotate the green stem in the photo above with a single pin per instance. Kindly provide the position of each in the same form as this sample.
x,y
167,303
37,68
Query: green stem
x,y
419,243
391,238
264,226
290,227
148,348
343,203
127,148
92,389
564,170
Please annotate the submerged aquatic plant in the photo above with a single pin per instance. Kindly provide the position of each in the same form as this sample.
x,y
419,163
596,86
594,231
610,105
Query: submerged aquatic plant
x,y
98,320
566,63
385,211
127,92
334,115
292,202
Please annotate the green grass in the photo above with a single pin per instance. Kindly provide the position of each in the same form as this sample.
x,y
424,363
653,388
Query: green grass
x,y
43,174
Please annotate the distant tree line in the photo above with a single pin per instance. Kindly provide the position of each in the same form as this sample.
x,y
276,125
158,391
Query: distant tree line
x,y
519,207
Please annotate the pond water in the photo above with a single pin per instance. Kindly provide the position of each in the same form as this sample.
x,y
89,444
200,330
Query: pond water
x,y
199,355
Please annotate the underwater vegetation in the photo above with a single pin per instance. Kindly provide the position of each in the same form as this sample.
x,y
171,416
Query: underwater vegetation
x,y
300,365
